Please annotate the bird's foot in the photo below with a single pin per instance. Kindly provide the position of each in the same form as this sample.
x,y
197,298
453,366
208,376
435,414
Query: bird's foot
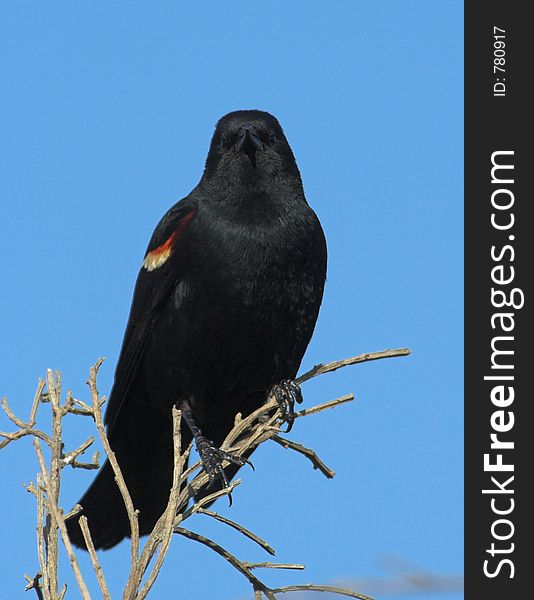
x,y
212,459
287,392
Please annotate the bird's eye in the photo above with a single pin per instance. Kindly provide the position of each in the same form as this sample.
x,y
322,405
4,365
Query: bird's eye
x,y
272,138
224,142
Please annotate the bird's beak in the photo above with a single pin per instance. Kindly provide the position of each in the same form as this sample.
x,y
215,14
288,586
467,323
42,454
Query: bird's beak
x,y
248,140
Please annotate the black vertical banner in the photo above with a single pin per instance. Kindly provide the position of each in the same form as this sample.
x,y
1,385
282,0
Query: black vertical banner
x,y
499,340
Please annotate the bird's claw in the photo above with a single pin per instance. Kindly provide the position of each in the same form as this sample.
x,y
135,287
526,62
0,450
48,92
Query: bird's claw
x,y
286,393
212,459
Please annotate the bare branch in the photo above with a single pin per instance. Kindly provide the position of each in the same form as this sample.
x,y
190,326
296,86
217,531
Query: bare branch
x,y
24,428
52,480
36,402
206,500
84,409
41,536
11,415
60,523
30,488
271,565
70,457
132,513
166,521
307,452
338,364
94,559
34,584
235,562
310,587
11,437
90,466
75,510
247,434
240,528
305,412
69,403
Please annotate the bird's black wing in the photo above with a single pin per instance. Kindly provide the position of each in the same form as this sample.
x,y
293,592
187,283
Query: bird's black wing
x,y
156,280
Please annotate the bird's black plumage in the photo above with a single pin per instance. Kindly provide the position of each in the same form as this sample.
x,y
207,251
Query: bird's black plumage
x,y
223,310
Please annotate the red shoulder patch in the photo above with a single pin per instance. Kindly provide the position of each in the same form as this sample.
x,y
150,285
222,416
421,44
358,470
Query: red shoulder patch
x,y
157,257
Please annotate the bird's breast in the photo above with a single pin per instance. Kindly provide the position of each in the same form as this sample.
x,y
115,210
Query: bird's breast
x,y
262,261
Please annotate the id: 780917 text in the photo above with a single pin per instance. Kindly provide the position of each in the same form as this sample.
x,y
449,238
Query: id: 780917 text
x,y
499,61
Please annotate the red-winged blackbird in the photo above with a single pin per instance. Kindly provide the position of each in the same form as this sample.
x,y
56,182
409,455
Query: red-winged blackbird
x,y
223,309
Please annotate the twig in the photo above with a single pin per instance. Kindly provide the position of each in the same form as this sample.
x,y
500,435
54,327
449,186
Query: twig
x,y
305,412
75,510
90,466
11,437
85,410
235,562
73,455
52,480
206,500
271,565
94,559
30,488
307,452
60,523
36,402
69,403
243,426
338,364
240,528
24,428
167,519
41,536
310,587
33,584
11,415
127,499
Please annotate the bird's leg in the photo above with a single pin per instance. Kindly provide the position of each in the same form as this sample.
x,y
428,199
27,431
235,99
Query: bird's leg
x,y
287,392
211,456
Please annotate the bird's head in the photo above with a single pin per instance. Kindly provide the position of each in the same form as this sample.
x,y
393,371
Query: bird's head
x,y
248,146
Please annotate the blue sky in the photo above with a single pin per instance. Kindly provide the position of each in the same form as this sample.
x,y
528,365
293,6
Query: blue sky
x,y
106,112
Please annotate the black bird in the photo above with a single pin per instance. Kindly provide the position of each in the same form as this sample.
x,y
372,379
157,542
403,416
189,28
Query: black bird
x,y
223,309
